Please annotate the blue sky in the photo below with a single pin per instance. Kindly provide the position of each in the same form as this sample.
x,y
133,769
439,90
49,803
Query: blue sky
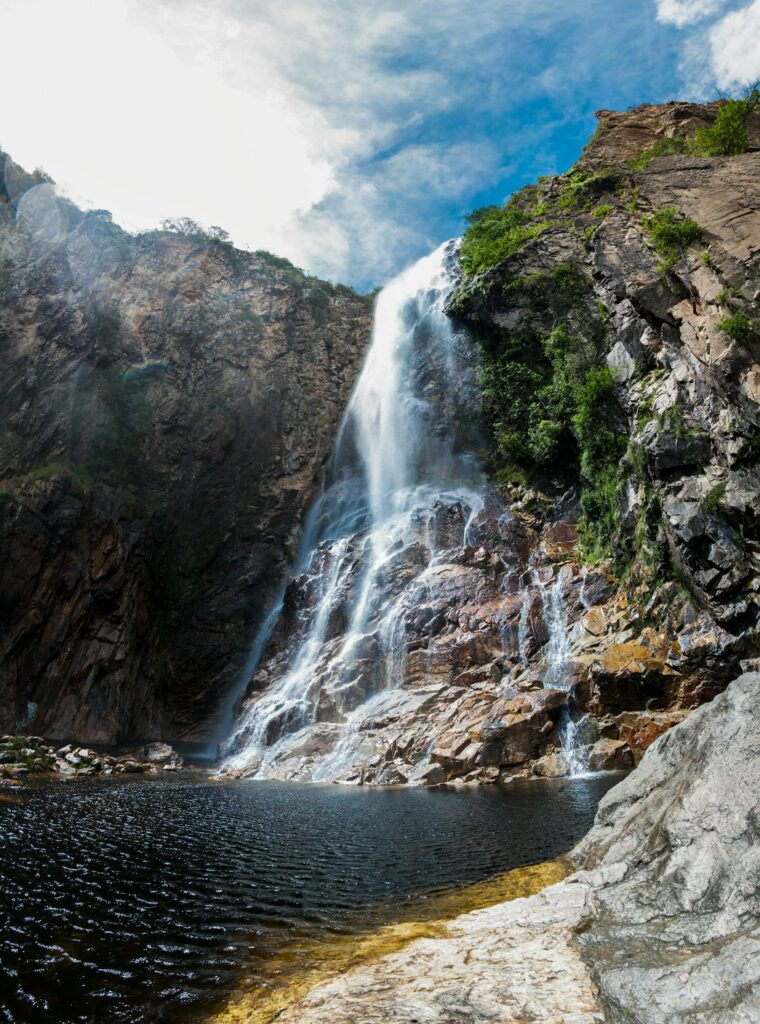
x,y
350,136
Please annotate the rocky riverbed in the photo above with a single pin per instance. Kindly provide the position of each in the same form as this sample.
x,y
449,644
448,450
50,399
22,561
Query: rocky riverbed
x,y
32,755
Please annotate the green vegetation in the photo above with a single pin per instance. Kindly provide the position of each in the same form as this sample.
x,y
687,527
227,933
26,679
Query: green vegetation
x,y
580,187
725,295
496,232
551,400
80,474
712,503
661,147
670,235
728,136
739,327
317,292
601,450
116,456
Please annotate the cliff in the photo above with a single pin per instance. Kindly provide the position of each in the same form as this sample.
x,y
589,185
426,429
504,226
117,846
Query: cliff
x,y
609,585
617,311
168,402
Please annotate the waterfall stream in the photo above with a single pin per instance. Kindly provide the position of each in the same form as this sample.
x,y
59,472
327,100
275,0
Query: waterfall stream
x,y
402,465
557,674
396,460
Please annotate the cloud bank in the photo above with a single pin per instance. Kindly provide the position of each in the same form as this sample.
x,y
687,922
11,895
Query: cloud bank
x,y
725,53
350,137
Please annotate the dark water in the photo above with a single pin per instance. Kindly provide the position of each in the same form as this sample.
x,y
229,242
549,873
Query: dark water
x,y
149,900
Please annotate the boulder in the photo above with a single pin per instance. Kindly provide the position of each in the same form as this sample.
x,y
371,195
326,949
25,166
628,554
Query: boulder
x,y
609,755
550,766
673,860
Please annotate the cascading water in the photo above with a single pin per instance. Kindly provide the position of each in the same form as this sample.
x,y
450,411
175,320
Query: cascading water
x,y
395,462
557,656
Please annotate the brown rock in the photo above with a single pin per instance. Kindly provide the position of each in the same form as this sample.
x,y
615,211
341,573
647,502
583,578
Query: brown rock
x,y
609,755
639,729
162,433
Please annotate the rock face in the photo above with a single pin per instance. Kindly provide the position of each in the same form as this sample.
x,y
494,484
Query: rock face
x,y
513,657
167,405
674,865
662,924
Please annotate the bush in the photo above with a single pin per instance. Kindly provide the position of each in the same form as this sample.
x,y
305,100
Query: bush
x,y
662,147
600,446
552,402
712,503
602,211
669,235
739,327
728,136
494,233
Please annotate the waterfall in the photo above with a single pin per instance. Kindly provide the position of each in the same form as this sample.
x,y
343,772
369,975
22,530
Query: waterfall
x,y
396,460
557,655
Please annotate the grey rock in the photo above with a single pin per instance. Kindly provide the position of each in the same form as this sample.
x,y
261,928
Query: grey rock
x,y
674,864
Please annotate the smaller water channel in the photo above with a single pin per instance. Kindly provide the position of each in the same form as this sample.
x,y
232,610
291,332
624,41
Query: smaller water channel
x,y
160,899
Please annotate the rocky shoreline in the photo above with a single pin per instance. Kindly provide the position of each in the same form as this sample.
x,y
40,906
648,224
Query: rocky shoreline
x,y
660,923
21,756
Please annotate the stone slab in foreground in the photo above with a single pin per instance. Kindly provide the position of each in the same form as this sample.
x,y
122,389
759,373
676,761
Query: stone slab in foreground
x,y
509,964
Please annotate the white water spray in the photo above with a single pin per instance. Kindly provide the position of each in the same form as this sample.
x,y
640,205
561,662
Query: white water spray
x,y
394,463
557,674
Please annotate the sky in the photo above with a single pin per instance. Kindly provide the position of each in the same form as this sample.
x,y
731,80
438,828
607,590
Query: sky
x,y
351,136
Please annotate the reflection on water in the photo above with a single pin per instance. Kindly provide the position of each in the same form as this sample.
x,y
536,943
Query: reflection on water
x,y
157,899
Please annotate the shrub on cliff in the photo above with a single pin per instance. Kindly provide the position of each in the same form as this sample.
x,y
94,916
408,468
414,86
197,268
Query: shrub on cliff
x,y
728,136
551,399
739,327
671,234
496,232
661,147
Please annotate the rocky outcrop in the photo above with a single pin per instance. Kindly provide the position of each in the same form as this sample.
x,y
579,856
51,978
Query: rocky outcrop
x,y
521,650
31,755
673,862
661,924
168,402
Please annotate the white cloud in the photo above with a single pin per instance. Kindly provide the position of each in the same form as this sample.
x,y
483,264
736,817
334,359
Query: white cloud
x,y
735,47
686,12
347,136
120,119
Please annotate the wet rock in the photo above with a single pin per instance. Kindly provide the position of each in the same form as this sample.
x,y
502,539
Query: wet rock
x,y
550,766
609,755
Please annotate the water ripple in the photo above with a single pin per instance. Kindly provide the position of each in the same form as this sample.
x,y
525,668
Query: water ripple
x,y
127,901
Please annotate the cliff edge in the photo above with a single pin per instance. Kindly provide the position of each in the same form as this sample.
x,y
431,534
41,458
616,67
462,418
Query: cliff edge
x,y
167,404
